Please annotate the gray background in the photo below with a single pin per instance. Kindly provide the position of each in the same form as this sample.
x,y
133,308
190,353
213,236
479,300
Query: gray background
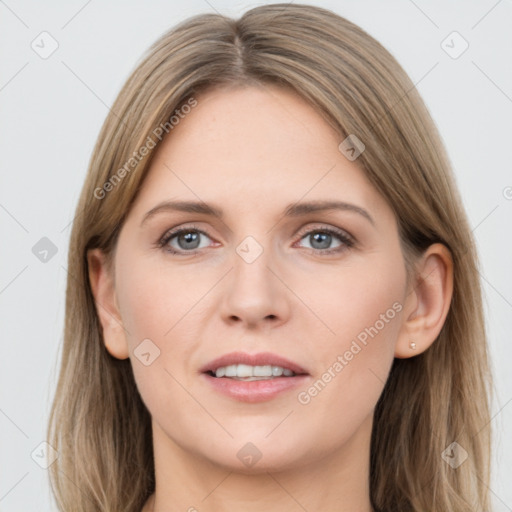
x,y
51,113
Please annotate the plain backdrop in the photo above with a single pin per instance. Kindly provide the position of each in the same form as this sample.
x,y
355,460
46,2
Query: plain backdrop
x,y
52,108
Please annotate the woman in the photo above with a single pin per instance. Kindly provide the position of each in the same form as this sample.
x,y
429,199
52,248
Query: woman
x,y
275,300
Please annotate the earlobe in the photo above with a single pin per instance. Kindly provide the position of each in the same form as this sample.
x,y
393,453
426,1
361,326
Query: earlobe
x,y
427,303
101,280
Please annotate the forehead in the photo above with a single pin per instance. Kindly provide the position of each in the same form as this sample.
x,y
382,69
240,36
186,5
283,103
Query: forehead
x,y
254,147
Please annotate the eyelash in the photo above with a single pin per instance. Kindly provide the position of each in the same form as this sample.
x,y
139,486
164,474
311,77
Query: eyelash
x,y
347,240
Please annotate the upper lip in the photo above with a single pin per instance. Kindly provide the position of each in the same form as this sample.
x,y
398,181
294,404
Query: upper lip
x,y
261,359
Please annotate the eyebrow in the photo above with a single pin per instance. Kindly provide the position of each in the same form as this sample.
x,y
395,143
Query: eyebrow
x,y
292,210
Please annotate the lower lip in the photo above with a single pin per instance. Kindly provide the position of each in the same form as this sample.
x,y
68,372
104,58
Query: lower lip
x,y
254,390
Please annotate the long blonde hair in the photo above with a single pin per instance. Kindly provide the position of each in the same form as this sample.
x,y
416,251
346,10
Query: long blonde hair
x,y
98,422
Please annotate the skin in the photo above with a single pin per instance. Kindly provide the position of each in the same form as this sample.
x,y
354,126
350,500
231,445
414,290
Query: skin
x,y
252,152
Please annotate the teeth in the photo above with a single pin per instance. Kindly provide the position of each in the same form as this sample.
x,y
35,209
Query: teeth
x,y
248,372
244,370
261,371
230,371
277,371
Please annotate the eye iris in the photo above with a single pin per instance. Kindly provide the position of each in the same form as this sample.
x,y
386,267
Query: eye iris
x,y
190,238
323,238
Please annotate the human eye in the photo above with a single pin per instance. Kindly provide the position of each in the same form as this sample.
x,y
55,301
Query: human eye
x,y
321,240
186,240
183,240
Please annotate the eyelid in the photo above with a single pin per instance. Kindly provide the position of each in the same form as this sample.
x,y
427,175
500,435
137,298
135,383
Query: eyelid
x,y
345,237
325,228
172,232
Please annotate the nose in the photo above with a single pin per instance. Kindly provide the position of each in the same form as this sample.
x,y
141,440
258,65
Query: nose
x,y
254,296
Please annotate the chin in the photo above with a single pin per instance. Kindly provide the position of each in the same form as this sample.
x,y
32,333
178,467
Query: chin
x,y
253,454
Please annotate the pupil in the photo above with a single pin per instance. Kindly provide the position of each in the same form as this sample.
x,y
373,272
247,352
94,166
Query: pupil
x,y
323,238
189,239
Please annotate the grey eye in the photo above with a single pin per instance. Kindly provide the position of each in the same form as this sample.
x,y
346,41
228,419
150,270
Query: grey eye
x,y
186,240
321,240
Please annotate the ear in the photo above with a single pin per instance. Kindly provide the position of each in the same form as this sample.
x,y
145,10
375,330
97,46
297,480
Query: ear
x,y
101,278
427,303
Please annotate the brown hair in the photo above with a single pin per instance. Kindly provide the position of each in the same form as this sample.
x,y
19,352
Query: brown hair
x,y
98,422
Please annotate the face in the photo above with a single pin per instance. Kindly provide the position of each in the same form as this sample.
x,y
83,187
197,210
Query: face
x,y
264,282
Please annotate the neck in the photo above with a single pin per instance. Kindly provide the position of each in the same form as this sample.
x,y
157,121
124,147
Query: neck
x,y
338,482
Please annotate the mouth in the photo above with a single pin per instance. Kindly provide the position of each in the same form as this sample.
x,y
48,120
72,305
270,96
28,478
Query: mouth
x,y
248,373
253,377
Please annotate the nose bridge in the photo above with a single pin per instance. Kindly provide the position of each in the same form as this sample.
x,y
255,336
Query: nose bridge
x,y
254,293
251,276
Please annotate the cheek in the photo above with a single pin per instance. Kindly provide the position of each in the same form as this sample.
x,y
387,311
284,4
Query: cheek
x,y
153,298
361,306
160,309
357,301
